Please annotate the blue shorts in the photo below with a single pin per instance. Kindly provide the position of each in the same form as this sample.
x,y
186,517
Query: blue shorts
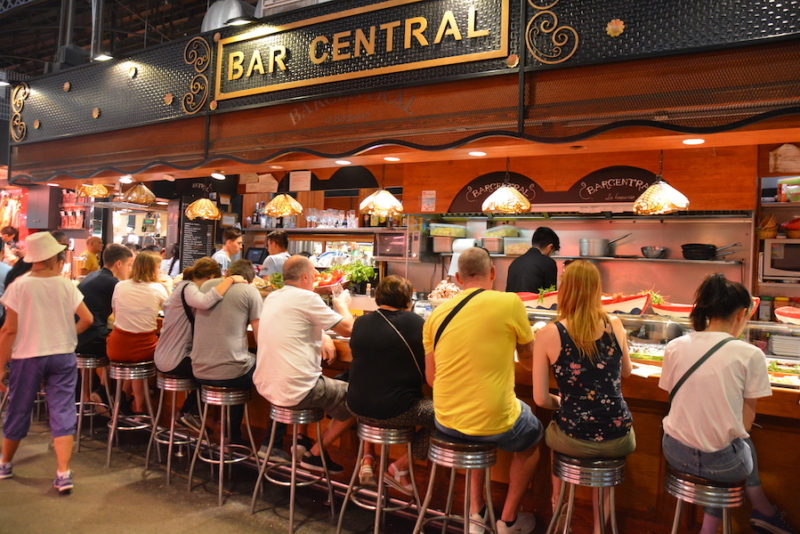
x,y
526,432
60,375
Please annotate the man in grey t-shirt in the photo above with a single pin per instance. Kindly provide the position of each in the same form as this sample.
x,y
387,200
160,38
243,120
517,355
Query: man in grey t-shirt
x,y
219,348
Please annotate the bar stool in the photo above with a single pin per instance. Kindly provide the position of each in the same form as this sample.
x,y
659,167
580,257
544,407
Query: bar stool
x,y
383,436
173,384
224,397
703,492
87,363
455,453
293,417
129,371
595,473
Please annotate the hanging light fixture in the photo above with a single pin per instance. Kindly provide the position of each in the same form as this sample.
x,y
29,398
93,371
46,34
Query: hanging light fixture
x,y
381,203
283,206
94,191
660,198
506,198
139,194
203,208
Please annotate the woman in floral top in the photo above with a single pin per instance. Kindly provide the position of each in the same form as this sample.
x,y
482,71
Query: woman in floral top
x,y
588,352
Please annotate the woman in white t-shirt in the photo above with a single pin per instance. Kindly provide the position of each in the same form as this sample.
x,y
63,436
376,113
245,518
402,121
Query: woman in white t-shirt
x,y
706,429
136,303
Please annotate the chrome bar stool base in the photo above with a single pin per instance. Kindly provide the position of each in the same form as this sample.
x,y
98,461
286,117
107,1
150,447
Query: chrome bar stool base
x,y
703,492
293,417
383,436
129,371
87,363
598,473
224,397
456,454
173,384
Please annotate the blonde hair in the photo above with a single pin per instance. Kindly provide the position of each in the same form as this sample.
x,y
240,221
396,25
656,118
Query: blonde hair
x,y
146,268
579,303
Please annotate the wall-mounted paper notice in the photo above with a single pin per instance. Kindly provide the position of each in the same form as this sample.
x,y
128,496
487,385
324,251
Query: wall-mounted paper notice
x,y
300,181
428,203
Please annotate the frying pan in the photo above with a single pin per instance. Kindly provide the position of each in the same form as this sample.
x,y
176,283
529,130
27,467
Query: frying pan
x,y
700,251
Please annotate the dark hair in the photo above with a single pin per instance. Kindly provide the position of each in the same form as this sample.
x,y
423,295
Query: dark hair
x,y
544,236
718,298
60,237
17,270
394,291
152,248
230,234
176,256
279,237
202,268
243,268
10,230
133,247
114,253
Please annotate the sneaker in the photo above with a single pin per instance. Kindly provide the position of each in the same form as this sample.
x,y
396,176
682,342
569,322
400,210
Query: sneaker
x,y
483,518
276,456
190,421
63,483
770,525
304,444
524,524
5,470
314,463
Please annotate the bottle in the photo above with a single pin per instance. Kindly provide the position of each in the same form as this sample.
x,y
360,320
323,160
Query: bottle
x,y
765,309
368,291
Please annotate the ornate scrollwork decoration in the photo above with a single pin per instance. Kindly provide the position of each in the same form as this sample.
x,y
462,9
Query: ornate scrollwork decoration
x,y
547,41
17,127
196,98
198,54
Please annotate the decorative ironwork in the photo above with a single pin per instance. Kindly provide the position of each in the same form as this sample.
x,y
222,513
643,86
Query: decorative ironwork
x,y
18,128
546,40
198,54
196,98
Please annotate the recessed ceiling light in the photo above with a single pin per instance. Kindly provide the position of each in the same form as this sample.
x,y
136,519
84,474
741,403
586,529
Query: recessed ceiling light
x,y
276,167
477,153
693,141
4,83
218,175
52,184
162,202
103,56
342,162
86,185
168,177
391,158
127,179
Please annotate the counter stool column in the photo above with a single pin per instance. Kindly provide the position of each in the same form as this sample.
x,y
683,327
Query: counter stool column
x,y
87,363
598,473
703,492
383,436
293,417
457,453
173,384
129,371
224,397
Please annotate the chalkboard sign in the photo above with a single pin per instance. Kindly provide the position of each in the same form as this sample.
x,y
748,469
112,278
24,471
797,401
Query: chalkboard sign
x,y
197,238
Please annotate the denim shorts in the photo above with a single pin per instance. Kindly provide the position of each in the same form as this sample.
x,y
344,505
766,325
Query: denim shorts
x,y
60,375
526,432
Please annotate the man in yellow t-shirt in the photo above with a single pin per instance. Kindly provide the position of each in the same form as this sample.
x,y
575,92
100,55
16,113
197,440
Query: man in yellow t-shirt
x,y
91,258
471,370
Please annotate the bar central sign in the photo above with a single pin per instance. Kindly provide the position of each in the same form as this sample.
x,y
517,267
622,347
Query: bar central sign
x,y
383,38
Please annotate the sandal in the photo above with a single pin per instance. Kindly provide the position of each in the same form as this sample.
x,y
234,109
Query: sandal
x,y
393,478
366,476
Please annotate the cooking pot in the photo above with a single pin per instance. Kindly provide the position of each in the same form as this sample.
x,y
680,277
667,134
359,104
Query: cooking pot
x,y
700,251
597,247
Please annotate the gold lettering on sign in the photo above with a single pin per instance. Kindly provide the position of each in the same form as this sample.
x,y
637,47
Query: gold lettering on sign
x,y
235,69
312,50
415,32
255,64
471,31
338,44
448,27
277,55
362,42
389,29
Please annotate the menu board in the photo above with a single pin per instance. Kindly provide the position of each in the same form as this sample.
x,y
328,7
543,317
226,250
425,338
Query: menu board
x,y
197,238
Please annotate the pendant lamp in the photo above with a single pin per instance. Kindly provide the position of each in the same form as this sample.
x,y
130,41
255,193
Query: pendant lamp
x,y
139,194
94,191
506,198
660,198
381,203
203,208
283,206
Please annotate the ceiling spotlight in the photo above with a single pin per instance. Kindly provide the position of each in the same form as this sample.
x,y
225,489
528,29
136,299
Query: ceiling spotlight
x,y
162,202
4,83
168,177
477,153
103,56
52,184
218,175
241,20
693,141
391,158
127,179
278,167
342,162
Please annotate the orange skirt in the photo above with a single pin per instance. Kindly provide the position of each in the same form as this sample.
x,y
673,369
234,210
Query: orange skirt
x,y
122,346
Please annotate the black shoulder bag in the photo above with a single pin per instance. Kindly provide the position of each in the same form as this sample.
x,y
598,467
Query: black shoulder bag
x,y
693,368
452,314
186,308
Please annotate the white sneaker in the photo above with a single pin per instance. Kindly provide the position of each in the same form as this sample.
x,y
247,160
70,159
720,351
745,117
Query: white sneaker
x,y
477,529
524,524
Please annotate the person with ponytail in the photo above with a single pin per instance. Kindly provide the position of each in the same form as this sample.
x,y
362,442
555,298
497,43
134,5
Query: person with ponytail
x,y
175,342
588,352
706,432
172,266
